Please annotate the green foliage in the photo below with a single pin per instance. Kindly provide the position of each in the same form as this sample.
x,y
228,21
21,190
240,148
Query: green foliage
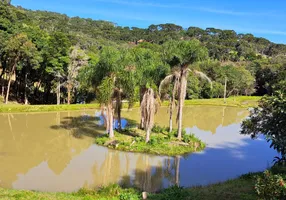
x,y
105,90
183,52
138,58
269,119
172,193
269,186
101,140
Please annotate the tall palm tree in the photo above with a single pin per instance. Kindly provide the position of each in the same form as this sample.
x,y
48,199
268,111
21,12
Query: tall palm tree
x,y
148,109
181,54
182,94
172,80
178,81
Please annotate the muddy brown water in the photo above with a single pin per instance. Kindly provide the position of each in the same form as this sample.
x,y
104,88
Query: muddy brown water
x,y
56,152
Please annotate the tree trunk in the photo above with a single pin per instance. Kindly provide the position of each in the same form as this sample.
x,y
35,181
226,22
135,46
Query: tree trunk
x,y
224,95
148,134
181,102
171,116
25,92
59,93
9,82
69,93
142,122
3,85
172,104
2,92
118,110
110,119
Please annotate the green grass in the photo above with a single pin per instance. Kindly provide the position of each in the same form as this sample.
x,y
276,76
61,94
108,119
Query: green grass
x,y
112,192
239,101
44,108
240,188
161,142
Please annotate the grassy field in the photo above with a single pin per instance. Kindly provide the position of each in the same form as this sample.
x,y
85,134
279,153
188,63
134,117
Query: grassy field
x,y
240,188
240,101
161,142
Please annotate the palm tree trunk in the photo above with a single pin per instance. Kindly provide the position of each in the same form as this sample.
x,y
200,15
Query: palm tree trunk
x,y
148,134
171,115
110,119
172,104
181,103
119,107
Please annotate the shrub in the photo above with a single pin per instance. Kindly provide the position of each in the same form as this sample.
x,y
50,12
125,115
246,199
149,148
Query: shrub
x,y
172,193
269,186
159,129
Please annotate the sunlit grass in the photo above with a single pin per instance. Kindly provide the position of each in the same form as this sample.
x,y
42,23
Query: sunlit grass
x,y
161,143
239,188
239,101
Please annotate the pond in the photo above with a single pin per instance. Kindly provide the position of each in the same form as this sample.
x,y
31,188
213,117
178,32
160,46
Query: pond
x,y
56,152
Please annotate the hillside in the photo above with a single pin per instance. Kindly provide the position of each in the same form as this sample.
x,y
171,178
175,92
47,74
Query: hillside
x,y
251,65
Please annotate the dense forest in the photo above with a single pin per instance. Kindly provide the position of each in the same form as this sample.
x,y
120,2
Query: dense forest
x,y
48,58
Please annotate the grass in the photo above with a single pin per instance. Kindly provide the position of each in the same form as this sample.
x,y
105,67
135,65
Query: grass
x,y
239,101
112,192
161,142
44,108
240,188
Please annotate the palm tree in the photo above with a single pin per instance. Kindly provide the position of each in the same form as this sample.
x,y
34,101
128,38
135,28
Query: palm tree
x,y
178,81
181,54
182,95
170,80
148,109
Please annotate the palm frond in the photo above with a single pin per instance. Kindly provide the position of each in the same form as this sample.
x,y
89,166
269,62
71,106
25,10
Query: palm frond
x,y
203,76
165,82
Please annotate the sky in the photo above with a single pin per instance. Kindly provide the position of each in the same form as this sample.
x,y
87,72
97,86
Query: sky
x,y
262,18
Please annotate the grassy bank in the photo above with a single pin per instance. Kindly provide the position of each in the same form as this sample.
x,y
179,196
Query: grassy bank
x,y
161,142
240,188
240,101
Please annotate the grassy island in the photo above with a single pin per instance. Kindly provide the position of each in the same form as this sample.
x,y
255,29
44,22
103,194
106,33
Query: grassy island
x,y
162,142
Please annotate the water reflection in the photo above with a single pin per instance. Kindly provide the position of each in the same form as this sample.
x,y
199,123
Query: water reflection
x,y
55,152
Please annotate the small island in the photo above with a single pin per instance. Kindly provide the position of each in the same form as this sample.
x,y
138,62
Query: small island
x,y
162,142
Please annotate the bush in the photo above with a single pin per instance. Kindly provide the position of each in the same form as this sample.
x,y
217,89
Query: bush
x,y
269,186
158,129
172,193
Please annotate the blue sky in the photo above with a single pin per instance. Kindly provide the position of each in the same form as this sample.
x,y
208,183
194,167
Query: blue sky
x,y
263,18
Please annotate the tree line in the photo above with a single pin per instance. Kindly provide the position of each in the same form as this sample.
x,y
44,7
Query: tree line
x,y
46,58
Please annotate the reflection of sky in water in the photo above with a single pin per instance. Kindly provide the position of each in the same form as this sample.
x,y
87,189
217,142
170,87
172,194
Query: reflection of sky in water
x,y
100,122
228,154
